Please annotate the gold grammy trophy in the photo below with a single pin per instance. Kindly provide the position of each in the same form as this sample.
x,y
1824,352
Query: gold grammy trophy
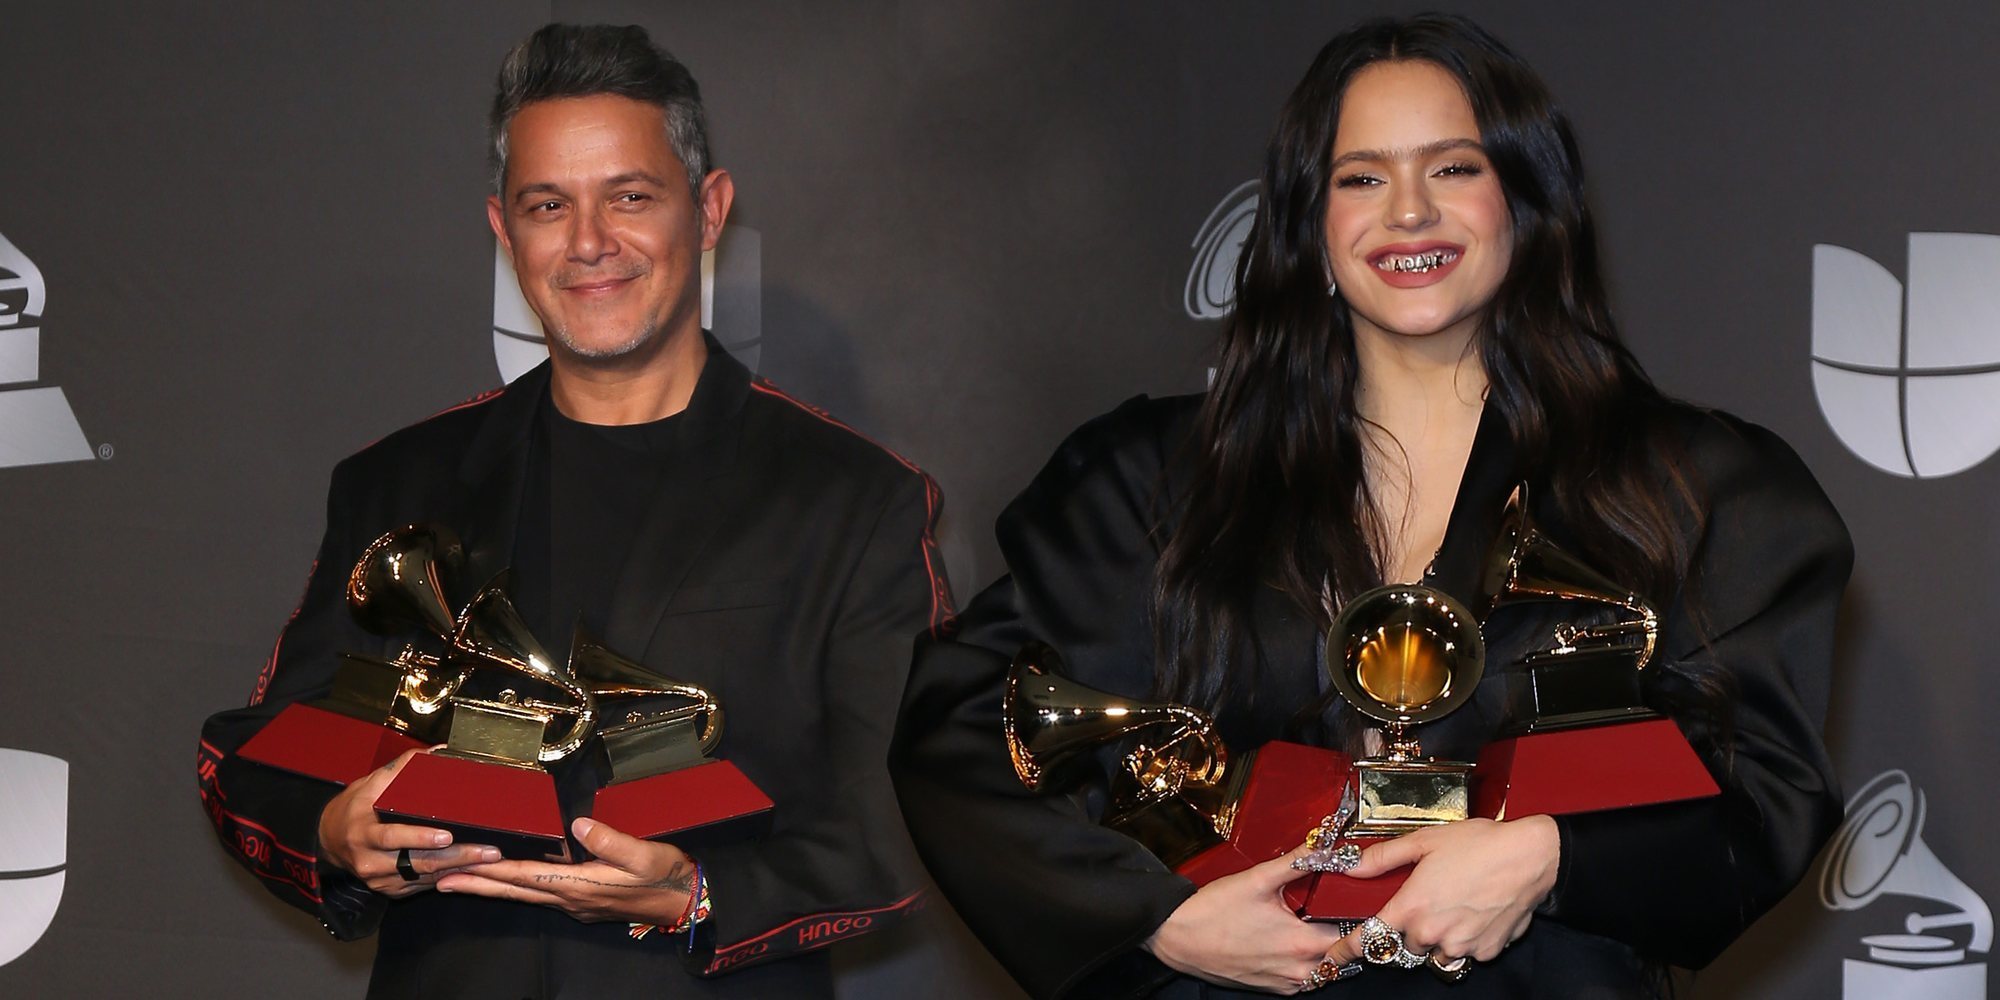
x,y
1176,792
487,785
1404,655
665,783
1407,655
377,708
1591,674
1202,810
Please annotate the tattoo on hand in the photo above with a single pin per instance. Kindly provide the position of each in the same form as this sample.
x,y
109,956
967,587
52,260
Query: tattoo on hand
x,y
680,878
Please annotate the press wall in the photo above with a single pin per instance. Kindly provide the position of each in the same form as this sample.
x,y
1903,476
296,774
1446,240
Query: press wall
x,y
243,240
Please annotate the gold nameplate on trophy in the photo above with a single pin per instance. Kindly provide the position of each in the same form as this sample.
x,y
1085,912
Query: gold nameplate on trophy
x,y
1405,655
645,746
501,731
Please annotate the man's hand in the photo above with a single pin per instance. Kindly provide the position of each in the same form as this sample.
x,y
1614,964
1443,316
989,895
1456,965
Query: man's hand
x,y
632,880
1474,889
1237,931
352,839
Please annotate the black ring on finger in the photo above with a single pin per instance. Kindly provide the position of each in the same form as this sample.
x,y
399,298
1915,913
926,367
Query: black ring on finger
x,y
404,867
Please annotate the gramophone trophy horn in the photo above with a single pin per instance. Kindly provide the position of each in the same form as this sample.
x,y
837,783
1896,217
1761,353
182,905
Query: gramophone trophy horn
x,y
490,631
1591,673
1177,794
1405,655
377,708
398,584
659,734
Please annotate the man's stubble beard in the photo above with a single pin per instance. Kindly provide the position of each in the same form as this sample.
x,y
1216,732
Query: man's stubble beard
x,y
646,336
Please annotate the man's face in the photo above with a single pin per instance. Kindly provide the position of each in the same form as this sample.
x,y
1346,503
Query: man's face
x,y
605,236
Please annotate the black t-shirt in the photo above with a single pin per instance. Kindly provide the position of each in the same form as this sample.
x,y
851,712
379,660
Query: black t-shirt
x,y
587,486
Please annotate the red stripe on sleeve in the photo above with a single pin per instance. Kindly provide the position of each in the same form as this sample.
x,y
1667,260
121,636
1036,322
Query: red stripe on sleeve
x,y
271,663
810,933
942,613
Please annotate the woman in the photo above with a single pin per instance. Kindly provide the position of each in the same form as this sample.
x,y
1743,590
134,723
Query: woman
x,y
1420,324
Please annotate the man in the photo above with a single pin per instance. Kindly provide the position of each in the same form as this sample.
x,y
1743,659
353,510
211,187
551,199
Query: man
x,y
645,486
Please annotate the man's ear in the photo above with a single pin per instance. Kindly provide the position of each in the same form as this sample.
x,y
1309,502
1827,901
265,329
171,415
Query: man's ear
x,y
717,193
496,216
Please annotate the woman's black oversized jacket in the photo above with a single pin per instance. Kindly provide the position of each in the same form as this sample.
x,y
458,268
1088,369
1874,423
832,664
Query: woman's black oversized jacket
x,y
1064,903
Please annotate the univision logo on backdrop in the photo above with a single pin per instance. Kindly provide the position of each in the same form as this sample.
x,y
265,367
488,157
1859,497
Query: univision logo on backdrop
x,y
732,305
36,424
1880,852
34,843
1909,376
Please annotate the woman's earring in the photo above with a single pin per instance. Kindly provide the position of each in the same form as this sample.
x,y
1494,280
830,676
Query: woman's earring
x,y
1332,289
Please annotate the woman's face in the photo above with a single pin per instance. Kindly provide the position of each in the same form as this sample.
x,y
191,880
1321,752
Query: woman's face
x,y
1417,229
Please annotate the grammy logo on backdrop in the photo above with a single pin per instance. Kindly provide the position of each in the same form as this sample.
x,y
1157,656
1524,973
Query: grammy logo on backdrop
x,y
37,426
1880,851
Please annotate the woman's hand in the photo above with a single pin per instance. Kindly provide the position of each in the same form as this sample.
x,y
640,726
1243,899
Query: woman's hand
x,y
1237,931
1474,889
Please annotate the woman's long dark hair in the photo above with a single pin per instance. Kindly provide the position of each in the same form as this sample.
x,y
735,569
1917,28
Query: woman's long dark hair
x,y
1277,498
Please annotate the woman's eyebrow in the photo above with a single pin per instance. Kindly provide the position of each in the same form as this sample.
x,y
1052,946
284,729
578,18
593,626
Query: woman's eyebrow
x,y
1383,156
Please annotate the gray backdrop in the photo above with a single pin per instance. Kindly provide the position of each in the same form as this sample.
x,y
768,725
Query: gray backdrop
x,y
256,243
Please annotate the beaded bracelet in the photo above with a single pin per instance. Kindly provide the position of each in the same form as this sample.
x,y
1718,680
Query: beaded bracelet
x,y
698,906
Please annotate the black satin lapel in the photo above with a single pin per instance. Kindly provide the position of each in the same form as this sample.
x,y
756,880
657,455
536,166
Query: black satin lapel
x,y
1489,476
486,498
698,486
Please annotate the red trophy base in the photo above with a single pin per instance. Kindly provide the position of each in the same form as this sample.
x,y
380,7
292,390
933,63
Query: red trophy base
x,y
1550,774
511,808
1291,788
1585,770
325,745
700,806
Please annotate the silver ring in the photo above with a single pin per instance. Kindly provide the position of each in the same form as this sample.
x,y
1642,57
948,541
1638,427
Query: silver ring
x,y
1335,859
404,867
1382,944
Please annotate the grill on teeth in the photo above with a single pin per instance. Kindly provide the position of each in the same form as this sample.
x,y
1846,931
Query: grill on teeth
x,y
1418,261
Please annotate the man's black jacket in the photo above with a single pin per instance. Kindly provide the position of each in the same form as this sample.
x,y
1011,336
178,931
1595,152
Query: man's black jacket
x,y
786,566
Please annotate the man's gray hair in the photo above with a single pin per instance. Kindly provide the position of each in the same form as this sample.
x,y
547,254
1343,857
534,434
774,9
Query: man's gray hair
x,y
574,60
